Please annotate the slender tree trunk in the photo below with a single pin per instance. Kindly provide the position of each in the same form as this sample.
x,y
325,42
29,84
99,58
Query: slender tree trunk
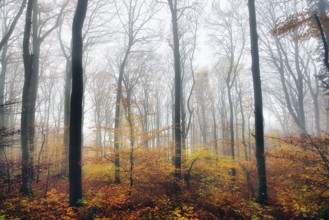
x,y
117,179
34,80
145,123
4,62
75,162
215,132
259,123
249,139
28,71
243,126
178,132
67,102
130,119
183,126
233,171
67,107
317,115
236,126
158,119
300,96
224,135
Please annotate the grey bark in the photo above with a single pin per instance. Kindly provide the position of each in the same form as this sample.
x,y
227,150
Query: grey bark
x,y
117,114
258,105
75,162
28,71
177,124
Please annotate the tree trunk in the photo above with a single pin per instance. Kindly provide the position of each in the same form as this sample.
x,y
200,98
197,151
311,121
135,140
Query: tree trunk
x,y
215,132
117,115
4,62
259,124
28,71
67,102
178,132
300,96
130,119
75,163
233,171
243,126
67,107
34,80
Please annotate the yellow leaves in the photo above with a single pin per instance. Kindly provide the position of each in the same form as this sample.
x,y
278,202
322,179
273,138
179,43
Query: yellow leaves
x,y
185,212
296,176
54,206
295,180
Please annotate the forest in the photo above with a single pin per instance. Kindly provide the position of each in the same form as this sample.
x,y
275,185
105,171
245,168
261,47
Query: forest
x,y
164,109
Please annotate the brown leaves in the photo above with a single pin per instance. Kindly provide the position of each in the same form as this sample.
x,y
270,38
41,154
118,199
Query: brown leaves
x,y
302,24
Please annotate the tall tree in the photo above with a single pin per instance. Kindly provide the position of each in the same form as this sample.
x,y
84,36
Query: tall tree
x,y
67,100
7,28
39,34
95,25
75,169
177,110
28,72
227,32
298,24
258,99
134,17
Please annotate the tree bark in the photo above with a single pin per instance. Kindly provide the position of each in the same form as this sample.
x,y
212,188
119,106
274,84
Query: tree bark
x,y
67,107
243,121
229,95
75,163
117,179
177,120
4,64
259,123
28,71
67,102
34,79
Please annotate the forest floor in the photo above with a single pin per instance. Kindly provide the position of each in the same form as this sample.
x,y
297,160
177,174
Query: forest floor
x,y
297,180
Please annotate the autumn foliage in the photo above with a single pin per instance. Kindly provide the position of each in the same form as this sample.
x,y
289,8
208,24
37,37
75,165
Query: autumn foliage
x,y
298,172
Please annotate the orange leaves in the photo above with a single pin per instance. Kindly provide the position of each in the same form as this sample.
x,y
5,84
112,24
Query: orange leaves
x,y
298,176
297,181
54,206
292,23
303,24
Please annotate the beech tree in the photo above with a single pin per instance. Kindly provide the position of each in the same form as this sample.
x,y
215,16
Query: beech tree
x,y
75,162
229,34
7,10
189,25
28,71
258,104
67,100
39,34
177,119
134,16
293,83
94,32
